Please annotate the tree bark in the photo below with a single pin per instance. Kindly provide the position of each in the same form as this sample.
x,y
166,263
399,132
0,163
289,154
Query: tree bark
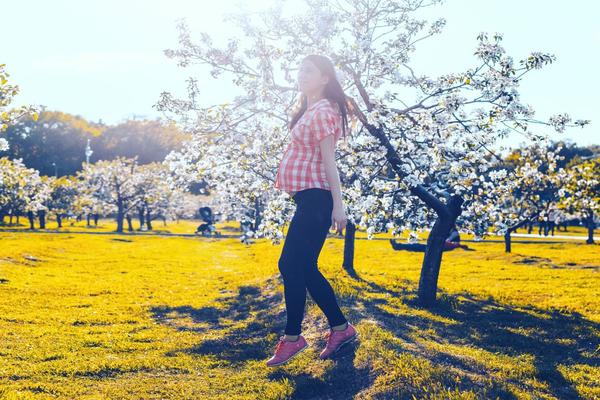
x,y
120,216
31,219
430,268
42,217
590,226
514,228
507,243
129,223
59,220
257,213
141,217
148,220
349,240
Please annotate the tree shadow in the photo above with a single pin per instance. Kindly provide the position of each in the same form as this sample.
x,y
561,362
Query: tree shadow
x,y
242,328
244,321
242,325
551,337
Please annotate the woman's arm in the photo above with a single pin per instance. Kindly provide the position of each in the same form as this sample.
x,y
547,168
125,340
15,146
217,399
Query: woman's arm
x,y
338,215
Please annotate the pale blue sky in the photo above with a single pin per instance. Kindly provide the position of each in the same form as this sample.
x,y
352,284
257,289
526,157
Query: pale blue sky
x,y
104,59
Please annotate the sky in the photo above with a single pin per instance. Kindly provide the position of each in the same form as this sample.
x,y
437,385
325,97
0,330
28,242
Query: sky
x,y
104,60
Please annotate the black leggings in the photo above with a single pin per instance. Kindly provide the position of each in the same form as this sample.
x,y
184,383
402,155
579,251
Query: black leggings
x,y
298,261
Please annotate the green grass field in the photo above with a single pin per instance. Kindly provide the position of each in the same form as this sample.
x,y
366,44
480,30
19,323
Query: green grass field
x,y
157,317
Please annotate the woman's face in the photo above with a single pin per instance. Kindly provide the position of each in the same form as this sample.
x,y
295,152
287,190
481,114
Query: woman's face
x,y
310,79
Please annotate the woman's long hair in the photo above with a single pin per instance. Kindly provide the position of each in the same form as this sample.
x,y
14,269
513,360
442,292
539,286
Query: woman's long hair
x,y
333,91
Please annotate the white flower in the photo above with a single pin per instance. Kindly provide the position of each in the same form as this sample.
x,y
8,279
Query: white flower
x,y
3,145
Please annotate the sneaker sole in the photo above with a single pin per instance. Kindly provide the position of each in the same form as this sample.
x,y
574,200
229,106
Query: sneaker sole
x,y
342,344
295,354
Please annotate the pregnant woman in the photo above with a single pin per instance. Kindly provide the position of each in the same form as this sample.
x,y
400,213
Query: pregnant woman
x,y
309,174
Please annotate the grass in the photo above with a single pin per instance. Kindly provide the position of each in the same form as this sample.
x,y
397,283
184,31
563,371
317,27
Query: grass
x,y
188,227
154,317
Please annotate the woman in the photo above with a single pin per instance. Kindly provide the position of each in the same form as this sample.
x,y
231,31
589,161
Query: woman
x,y
309,174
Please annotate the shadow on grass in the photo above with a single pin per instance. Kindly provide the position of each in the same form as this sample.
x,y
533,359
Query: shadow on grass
x,y
243,322
551,337
242,327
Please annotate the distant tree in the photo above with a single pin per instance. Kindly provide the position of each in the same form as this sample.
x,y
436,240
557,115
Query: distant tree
x,y
114,183
62,197
581,193
54,144
570,153
13,177
22,191
158,196
148,140
523,192
10,116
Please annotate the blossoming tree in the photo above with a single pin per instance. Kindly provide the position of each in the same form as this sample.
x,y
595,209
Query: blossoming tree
x,y
581,193
406,166
9,116
519,193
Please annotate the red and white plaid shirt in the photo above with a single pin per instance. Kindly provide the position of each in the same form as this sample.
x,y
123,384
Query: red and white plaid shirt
x,y
302,165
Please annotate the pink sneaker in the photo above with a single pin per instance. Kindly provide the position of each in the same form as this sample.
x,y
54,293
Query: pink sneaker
x,y
285,350
336,339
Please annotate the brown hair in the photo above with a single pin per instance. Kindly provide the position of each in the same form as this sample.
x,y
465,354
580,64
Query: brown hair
x,y
333,91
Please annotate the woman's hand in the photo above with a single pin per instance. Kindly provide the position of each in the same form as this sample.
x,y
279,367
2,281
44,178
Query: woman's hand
x,y
338,219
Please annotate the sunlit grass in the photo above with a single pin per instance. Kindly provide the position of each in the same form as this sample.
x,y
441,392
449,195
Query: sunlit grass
x,y
117,316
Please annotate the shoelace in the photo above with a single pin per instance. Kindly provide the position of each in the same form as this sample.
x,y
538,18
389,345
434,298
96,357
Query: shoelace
x,y
279,345
329,336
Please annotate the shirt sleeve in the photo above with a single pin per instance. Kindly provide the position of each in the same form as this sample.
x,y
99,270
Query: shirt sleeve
x,y
323,124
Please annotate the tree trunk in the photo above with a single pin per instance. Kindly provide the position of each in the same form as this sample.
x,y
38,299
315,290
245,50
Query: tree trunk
x,y
31,219
141,217
257,213
129,223
507,243
349,239
430,268
11,220
42,217
148,221
120,216
514,228
590,226
59,220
